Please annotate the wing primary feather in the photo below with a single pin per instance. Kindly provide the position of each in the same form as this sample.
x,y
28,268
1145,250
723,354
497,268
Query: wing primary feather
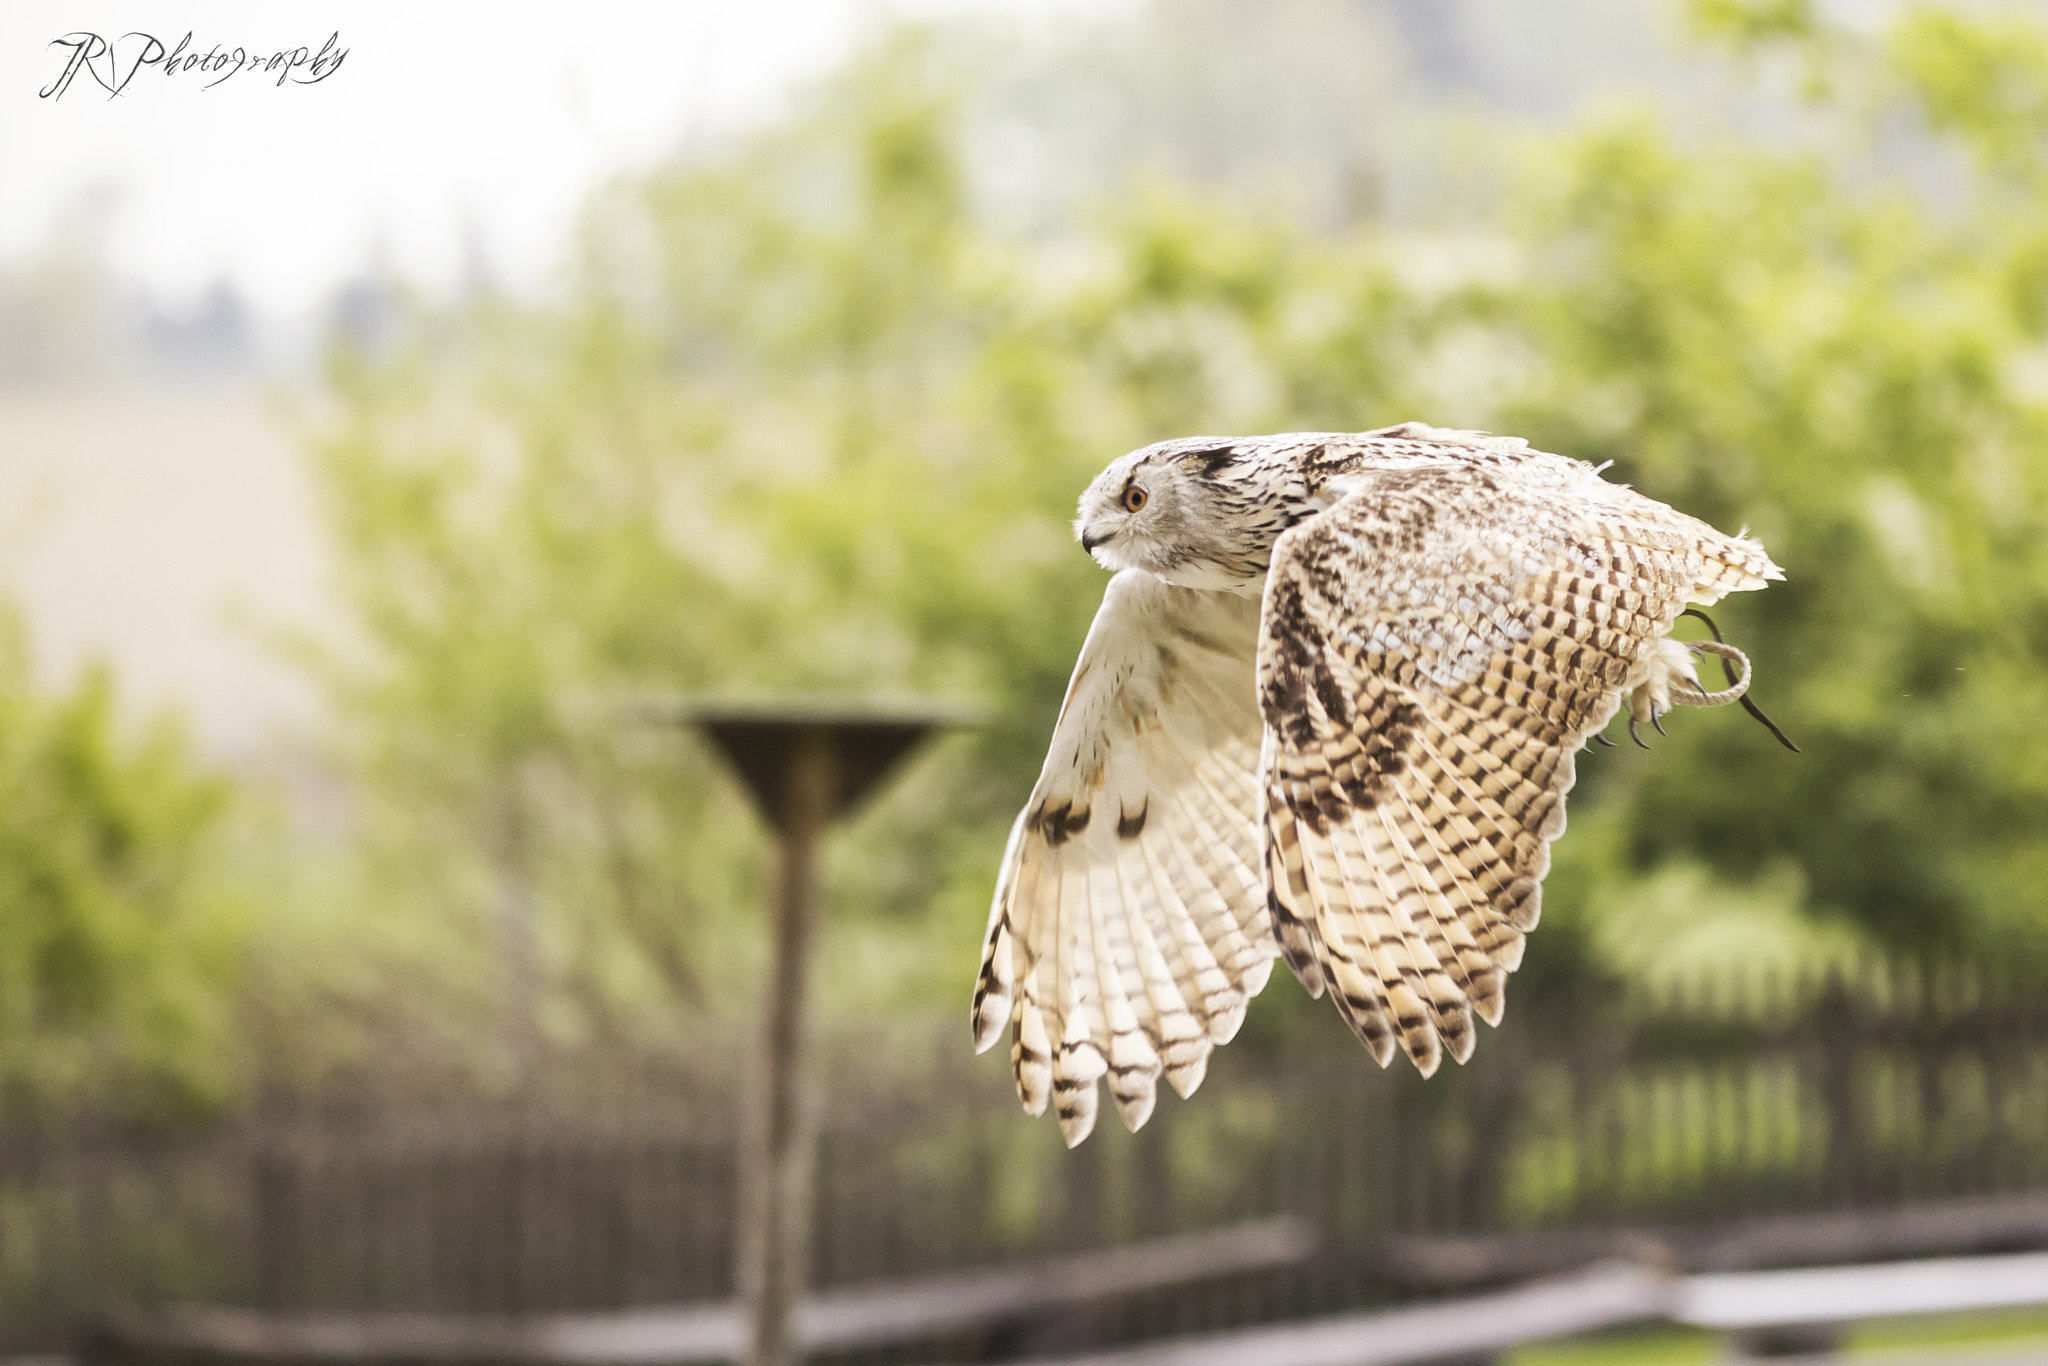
x,y
1450,1014
1353,905
1395,902
1359,984
1287,898
1031,1041
1508,843
1217,819
1470,966
1180,1035
1132,1060
1472,839
1220,881
1356,988
1207,936
1076,1064
995,984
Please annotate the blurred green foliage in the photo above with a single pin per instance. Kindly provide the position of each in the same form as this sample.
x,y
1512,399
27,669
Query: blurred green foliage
x,y
803,419
123,942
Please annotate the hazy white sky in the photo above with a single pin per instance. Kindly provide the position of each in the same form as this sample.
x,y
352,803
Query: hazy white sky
x,y
149,527
447,118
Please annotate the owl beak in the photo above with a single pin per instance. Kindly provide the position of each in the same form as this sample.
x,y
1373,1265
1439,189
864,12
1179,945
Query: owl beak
x,y
1089,540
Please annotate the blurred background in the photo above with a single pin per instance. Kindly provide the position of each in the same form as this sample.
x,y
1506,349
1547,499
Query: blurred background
x,y
361,443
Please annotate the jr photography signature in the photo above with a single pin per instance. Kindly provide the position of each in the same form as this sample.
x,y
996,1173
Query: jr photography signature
x,y
113,62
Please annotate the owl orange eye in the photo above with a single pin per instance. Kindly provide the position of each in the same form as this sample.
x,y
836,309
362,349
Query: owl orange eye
x,y
1133,498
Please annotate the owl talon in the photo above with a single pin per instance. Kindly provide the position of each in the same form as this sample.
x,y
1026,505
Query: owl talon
x,y
1728,669
1633,736
1658,721
1603,739
1772,726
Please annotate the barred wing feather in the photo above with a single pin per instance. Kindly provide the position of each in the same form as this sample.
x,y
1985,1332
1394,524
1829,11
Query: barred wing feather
x,y
1129,926
1434,649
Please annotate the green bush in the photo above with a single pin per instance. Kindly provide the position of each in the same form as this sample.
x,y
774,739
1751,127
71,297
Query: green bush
x,y
121,945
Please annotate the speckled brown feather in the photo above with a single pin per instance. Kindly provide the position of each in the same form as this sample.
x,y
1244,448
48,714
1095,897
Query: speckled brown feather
x,y
1434,649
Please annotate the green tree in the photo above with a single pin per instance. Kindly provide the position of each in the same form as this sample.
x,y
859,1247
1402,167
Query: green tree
x,y
804,419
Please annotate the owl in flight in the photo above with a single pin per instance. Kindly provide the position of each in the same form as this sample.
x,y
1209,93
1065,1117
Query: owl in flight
x,y
1328,712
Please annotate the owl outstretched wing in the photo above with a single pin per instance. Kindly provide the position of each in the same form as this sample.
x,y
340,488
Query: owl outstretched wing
x,y
1434,648
1129,925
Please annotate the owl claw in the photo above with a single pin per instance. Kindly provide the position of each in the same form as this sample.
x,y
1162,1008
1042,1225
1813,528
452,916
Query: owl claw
x,y
1772,726
1603,739
1728,669
1658,721
1633,736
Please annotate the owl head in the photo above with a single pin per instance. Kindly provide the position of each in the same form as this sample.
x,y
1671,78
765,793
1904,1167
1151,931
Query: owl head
x,y
1197,512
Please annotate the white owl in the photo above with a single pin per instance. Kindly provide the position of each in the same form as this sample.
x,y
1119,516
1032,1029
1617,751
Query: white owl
x,y
1328,712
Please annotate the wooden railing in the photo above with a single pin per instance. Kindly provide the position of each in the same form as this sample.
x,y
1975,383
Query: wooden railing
x,y
1590,1118
1771,1311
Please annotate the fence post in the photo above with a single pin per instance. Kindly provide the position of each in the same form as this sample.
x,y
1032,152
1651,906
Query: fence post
x,y
1835,1016
272,1184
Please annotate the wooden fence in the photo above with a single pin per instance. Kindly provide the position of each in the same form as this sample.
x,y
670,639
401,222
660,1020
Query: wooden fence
x,y
1589,1109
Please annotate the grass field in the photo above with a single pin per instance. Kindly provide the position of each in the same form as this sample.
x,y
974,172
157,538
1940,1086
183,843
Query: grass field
x,y
2016,1338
